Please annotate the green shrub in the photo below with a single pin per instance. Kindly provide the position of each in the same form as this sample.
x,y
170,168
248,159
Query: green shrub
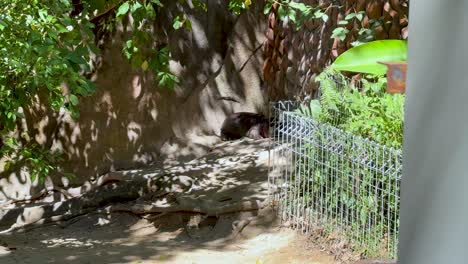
x,y
367,111
357,185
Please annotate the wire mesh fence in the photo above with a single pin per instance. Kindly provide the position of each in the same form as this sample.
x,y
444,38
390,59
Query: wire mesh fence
x,y
322,176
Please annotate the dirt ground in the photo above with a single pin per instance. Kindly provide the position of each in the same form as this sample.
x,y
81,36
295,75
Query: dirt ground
x,y
232,173
125,238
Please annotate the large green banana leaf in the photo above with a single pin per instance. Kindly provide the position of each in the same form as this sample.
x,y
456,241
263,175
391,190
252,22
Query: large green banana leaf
x,y
365,58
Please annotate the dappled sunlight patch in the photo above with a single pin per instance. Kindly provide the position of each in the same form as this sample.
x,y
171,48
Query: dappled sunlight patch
x,y
94,131
86,151
103,221
56,206
13,184
139,231
41,136
154,114
200,38
129,244
136,87
76,134
70,242
134,131
71,258
144,158
187,142
169,150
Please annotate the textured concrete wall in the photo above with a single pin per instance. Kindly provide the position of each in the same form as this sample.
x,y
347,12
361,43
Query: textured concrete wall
x,y
294,58
131,122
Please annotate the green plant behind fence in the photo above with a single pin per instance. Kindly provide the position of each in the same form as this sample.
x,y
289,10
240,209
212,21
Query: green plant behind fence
x,y
367,111
347,163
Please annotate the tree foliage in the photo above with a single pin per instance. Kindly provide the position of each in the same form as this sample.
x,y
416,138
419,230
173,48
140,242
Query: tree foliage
x,y
364,34
47,48
237,6
296,13
42,49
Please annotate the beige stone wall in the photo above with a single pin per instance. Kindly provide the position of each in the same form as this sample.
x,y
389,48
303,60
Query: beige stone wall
x,y
131,122
293,59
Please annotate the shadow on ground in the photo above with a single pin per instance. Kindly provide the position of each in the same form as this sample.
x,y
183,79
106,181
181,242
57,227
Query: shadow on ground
x,y
231,172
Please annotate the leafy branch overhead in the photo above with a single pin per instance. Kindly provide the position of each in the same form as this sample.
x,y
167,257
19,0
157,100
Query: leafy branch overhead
x,y
364,34
42,48
237,6
157,58
298,13
295,12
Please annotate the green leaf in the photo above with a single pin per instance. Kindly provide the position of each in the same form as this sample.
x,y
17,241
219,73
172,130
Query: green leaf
x,y
150,11
364,58
350,16
85,87
61,28
178,22
76,59
325,17
7,166
129,43
281,12
3,25
315,107
43,14
33,177
340,32
73,100
135,7
292,15
356,43
123,9
199,4
299,6
188,24
144,65
267,8
360,16
157,2
167,79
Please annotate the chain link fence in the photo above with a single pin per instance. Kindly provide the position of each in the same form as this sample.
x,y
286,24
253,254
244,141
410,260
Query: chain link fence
x,y
321,176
